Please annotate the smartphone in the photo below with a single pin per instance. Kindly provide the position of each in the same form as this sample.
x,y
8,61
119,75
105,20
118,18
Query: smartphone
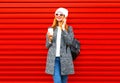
x,y
64,20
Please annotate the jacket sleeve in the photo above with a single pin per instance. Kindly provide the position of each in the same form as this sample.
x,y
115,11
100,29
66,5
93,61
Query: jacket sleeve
x,y
68,36
48,44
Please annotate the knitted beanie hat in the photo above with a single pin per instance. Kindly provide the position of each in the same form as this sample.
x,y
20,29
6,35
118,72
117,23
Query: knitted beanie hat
x,y
62,10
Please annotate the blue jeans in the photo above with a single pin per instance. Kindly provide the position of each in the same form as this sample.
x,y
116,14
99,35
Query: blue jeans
x,y
57,77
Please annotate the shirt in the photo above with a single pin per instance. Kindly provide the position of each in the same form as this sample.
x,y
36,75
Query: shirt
x,y
58,42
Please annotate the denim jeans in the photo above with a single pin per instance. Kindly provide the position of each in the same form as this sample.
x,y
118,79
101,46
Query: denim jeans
x,y
57,77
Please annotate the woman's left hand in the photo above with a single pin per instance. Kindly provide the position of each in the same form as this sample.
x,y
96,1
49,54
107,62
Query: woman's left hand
x,y
64,23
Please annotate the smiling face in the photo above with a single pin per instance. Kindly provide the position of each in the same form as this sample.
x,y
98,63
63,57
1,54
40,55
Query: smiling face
x,y
59,16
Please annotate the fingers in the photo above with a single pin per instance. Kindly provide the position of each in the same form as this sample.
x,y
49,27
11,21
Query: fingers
x,y
51,38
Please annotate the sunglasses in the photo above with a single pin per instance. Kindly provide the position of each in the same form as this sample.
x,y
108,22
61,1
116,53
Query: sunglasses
x,y
59,14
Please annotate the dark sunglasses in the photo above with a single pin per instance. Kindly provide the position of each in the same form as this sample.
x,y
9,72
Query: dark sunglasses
x,y
60,14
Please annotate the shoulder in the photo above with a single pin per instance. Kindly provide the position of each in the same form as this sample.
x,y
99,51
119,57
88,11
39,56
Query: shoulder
x,y
70,27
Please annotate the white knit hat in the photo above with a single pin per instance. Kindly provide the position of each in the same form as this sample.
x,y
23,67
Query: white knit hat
x,y
62,10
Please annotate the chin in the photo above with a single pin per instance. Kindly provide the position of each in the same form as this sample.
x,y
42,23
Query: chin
x,y
59,20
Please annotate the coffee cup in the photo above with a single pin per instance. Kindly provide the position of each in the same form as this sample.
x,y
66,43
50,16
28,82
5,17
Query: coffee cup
x,y
50,30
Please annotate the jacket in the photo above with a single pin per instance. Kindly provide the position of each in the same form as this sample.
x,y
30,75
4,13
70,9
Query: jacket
x,y
67,66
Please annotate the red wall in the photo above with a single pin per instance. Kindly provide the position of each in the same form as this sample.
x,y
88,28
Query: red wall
x,y
24,23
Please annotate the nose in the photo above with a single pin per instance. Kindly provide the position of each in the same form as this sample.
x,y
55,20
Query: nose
x,y
58,17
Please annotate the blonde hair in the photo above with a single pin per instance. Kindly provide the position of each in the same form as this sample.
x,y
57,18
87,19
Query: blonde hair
x,y
55,23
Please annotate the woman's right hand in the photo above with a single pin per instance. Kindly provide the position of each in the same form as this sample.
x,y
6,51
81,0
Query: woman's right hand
x,y
50,36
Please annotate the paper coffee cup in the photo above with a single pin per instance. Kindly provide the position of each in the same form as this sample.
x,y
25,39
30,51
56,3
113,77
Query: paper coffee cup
x,y
50,30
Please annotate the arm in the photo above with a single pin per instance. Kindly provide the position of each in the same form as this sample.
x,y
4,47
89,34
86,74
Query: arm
x,y
68,36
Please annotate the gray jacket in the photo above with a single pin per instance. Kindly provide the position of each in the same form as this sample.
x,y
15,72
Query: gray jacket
x,y
67,66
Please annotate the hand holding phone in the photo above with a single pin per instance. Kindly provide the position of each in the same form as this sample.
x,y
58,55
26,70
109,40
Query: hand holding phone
x,y
64,22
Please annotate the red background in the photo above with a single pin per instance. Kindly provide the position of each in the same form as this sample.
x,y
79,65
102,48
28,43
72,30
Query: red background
x,y
24,23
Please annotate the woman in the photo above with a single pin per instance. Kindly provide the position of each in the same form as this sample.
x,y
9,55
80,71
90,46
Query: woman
x,y
59,60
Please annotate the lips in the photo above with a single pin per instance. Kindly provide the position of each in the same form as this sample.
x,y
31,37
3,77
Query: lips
x,y
59,17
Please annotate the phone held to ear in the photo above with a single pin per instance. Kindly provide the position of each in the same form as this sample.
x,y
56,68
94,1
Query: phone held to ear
x,y
64,21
